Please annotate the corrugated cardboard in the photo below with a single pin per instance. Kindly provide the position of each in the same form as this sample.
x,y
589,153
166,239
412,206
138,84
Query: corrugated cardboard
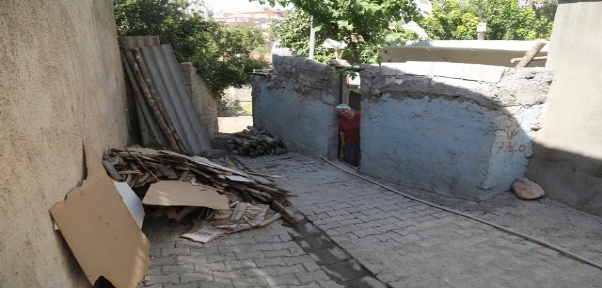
x,y
178,193
101,233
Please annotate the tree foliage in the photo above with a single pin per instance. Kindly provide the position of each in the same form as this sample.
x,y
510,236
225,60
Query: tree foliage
x,y
221,54
506,20
369,21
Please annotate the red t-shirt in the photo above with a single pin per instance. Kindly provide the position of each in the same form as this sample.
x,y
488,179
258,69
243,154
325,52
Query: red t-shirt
x,y
351,127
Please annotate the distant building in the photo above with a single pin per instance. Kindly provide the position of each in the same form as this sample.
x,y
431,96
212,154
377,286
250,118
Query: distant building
x,y
263,18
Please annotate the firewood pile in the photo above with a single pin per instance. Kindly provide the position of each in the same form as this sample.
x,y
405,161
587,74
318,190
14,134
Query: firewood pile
x,y
253,142
142,168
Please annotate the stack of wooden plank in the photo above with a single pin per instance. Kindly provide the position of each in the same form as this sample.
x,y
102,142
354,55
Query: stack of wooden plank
x,y
253,142
141,167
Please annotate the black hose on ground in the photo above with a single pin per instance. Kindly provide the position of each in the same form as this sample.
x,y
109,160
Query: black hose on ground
x,y
507,230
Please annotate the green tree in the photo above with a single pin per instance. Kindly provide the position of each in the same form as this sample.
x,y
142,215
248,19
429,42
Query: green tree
x,y
221,54
506,20
366,25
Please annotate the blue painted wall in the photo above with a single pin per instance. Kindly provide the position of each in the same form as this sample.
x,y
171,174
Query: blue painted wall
x,y
436,144
459,130
305,125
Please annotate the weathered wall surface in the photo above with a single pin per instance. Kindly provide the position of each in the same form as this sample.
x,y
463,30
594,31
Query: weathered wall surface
x,y
461,130
61,83
203,100
568,156
297,104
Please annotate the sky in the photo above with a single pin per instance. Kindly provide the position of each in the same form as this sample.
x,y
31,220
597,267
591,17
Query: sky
x,y
219,6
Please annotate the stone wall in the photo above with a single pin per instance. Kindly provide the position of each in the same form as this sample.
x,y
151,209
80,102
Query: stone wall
x,y
204,101
297,104
461,130
61,84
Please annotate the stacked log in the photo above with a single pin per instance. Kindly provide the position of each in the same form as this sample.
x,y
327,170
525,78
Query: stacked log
x,y
254,142
140,167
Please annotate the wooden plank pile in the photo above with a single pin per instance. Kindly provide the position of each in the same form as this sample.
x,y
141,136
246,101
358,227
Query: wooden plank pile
x,y
141,167
253,142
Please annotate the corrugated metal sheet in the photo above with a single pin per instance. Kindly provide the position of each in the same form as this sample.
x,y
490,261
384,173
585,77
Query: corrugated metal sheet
x,y
152,135
169,83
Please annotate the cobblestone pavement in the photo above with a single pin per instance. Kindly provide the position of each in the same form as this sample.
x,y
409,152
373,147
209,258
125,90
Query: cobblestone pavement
x,y
358,234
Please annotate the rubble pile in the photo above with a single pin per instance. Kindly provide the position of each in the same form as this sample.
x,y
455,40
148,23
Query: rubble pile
x,y
253,142
220,199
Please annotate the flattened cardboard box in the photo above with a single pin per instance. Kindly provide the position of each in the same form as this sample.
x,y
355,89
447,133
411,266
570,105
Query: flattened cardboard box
x,y
100,231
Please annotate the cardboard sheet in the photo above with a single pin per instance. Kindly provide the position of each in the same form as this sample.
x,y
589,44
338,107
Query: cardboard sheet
x,y
178,193
101,233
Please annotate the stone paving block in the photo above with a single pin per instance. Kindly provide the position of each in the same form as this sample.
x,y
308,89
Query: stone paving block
x,y
407,239
296,251
175,251
168,244
350,221
249,282
258,247
265,271
285,238
344,230
285,280
157,260
328,284
184,259
311,266
408,216
297,260
285,245
289,270
154,270
330,226
240,264
386,236
220,257
270,262
365,232
213,266
268,239
337,212
424,219
154,252
203,250
242,255
171,278
278,253
229,248
176,269
151,286
195,276
312,277
368,240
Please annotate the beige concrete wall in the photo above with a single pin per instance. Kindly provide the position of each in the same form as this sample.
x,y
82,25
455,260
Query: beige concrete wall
x,y
568,157
456,55
61,83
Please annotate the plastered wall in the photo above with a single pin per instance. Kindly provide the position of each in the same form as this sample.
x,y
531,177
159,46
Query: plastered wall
x,y
297,104
61,84
460,130
568,155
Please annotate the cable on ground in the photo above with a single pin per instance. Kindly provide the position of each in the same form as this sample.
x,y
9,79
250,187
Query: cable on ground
x,y
507,230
